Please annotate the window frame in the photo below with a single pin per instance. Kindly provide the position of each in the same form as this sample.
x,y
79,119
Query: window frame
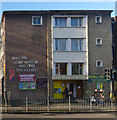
x,y
97,42
100,21
59,39
37,17
79,68
78,45
78,21
97,63
59,68
59,21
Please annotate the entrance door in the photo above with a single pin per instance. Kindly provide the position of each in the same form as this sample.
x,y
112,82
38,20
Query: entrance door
x,y
79,90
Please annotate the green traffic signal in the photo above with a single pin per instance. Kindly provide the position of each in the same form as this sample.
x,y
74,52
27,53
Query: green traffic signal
x,y
107,74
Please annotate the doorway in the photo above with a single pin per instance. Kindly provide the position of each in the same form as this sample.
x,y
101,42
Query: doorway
x,y
79,90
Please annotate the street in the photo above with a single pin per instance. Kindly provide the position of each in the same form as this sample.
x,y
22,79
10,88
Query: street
x,y
55,116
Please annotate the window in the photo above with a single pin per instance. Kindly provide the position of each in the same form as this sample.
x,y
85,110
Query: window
x,y
98,41
61,68
36,20
60,22
77,68
98,63
60,44
76,44
76,22
98,19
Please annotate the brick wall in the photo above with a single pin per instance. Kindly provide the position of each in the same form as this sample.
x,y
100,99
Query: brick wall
x,y
24,39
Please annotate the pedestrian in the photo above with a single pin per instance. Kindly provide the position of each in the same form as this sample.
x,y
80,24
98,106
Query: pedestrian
x,y
97,96
93,99
66,93
102,99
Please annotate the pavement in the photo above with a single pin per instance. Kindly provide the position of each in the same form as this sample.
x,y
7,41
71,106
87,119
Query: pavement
x,y
62,116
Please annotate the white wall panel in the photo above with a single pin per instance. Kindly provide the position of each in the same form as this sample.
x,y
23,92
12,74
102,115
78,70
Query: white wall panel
x,y
69,32
69,56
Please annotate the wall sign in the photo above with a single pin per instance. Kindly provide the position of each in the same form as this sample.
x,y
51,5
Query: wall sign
x,y
27,82
27,85
57,90
24,64
69,77
99,85
27,78
97,78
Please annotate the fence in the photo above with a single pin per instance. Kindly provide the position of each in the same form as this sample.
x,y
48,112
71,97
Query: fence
x,y
69,104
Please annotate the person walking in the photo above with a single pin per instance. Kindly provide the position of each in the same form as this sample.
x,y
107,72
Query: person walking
x,y
66,93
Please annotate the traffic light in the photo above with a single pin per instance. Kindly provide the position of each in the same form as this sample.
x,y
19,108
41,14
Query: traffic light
x,y
107,74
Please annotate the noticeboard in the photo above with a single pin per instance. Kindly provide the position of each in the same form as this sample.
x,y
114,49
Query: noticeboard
x,y
99,85
27,82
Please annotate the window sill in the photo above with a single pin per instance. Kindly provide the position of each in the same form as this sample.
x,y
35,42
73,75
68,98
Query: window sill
x,y
98,45
98,22
69,51
37,24
69,27
99,66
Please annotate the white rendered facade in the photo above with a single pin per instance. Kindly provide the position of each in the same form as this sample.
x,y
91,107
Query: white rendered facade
x,y
68,55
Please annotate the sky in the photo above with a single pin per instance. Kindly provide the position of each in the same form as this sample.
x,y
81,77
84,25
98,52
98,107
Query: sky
x,y
7,5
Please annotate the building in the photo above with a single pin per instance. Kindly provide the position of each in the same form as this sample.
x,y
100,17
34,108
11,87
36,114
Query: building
x,y
114,49
116,8
45,51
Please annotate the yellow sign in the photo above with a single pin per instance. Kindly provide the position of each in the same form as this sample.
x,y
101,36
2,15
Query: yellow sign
x,y
96,77
69,77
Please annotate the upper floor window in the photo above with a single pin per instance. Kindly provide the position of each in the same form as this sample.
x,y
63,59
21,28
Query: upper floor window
x,y
61,68
98,63
98,19
36,20
76,22
76,44
77,68
98,41
60,22
60,44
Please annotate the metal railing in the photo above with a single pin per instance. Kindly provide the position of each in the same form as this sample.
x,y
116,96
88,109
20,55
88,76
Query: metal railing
x,y
70,104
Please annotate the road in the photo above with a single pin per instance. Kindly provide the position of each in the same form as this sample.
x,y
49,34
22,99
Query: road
x,y
55,116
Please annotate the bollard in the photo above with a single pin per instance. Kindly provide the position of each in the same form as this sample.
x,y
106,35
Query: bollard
x,y
48,104
6,109
5,99
90,104
26,104
69,104
111,103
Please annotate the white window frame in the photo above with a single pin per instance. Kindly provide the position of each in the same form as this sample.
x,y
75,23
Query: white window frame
x,y
100,63
100,21
78,44
78,21
100,41
40,20
59,68
59,21
79,67
58,39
